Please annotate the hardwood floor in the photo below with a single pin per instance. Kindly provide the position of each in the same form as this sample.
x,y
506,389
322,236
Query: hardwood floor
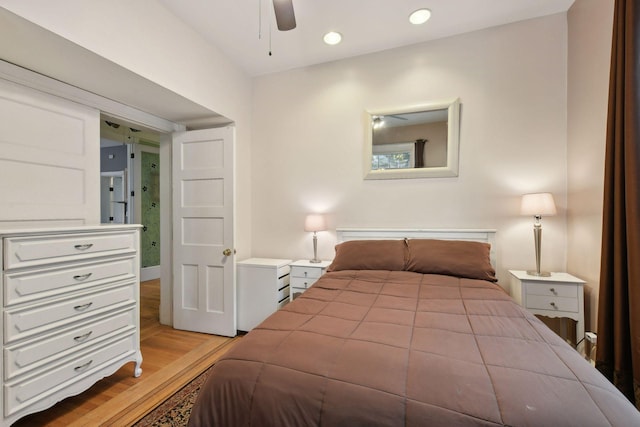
x,y
171,358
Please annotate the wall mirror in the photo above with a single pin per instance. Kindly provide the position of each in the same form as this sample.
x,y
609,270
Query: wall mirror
x,y
414,142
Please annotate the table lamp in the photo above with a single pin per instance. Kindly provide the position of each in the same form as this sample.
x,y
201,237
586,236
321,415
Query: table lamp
x,y
538,205
315,223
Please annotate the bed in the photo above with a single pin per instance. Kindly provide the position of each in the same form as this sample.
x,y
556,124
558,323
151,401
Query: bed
x,y
407,331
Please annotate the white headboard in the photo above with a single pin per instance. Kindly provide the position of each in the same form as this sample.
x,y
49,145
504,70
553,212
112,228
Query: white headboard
x,y
486,236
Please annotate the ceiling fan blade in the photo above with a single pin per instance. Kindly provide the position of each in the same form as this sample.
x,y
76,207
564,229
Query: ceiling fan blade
x,y
285,17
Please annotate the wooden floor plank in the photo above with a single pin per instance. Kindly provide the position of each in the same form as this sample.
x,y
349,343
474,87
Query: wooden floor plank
x,y
170,360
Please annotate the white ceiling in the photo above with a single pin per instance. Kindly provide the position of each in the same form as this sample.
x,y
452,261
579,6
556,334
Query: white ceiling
x,y
366,25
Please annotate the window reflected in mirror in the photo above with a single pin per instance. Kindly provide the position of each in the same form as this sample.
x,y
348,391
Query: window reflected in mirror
x,y
393,156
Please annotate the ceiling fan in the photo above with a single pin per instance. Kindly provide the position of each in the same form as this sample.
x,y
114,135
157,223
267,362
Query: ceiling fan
x,y
285,17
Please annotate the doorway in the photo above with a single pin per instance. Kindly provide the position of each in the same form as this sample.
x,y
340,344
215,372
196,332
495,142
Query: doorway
x,y
130,186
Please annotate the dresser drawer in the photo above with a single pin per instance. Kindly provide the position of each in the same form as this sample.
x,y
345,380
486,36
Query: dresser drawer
x,y
540,302
39,250
283,281
306,272
302,282
33,284
283,294
552,289
283,271
38,387
22,358
20,323
283,303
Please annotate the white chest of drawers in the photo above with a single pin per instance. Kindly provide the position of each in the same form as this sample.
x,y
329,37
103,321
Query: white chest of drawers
x,y
559,295
70,312
304,274
263,288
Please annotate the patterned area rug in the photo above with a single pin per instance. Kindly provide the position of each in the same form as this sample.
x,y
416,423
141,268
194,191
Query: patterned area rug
x,y
176,410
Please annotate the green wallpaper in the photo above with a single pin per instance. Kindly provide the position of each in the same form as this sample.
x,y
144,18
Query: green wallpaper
x,y
150,181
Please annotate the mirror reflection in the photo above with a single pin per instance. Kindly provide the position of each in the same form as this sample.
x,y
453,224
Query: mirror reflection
x,y
410,140
412,143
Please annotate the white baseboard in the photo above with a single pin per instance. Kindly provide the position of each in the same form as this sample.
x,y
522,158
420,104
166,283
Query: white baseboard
x,y
149,273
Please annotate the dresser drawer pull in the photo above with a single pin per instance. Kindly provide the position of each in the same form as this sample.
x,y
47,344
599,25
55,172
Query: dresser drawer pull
x,y
83,367
553,304
83,306
81,277
553,291
83,247
81,338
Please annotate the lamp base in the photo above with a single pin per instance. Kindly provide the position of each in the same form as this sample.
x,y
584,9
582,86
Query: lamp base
x,y
538,274
315,261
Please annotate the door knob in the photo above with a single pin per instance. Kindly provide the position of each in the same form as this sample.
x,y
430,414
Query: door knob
x,y
228,252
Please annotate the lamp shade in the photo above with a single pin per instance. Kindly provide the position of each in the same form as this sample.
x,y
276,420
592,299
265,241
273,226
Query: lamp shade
x,y
538,204
315,222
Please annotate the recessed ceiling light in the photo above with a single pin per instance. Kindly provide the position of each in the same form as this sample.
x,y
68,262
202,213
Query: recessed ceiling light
x,y
420,16
332,38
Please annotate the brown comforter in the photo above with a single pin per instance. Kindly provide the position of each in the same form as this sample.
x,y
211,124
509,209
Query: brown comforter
x,y
365,348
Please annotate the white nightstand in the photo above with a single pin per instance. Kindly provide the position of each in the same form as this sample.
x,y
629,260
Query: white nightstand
x,y
304,274
262,288
560,295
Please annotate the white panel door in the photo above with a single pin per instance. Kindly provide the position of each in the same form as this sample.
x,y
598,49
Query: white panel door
x,y
203,197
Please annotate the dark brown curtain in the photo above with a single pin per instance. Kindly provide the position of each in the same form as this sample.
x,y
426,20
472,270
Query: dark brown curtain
x,y
618,350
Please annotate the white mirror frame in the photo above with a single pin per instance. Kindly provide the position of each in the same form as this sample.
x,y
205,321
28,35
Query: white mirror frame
x,y
453,137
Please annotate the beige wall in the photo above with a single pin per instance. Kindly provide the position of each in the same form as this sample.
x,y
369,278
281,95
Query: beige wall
x,y
308,132
590,23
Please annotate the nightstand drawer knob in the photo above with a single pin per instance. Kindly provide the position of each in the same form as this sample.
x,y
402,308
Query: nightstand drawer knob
x,y
553,304
305,274
553,290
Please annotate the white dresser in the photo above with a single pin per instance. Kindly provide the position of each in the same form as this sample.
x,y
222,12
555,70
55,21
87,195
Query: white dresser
x,y
304,274
262,288
70,312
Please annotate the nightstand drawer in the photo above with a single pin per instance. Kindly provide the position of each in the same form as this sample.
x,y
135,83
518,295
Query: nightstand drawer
x,y
551,303
283,281
302,282
306,272
283,271
283,293
552,289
